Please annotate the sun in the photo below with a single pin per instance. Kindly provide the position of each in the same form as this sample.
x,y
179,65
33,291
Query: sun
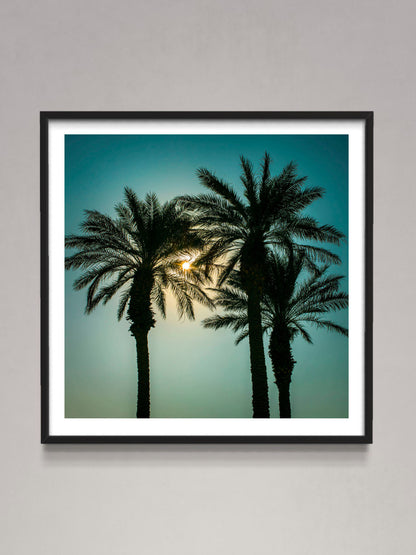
x,y
186,265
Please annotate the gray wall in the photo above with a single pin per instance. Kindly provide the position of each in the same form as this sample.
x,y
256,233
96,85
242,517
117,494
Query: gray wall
x,y
216,55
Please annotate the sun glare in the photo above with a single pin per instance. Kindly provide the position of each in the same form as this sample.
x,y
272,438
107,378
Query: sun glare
x,y
186,265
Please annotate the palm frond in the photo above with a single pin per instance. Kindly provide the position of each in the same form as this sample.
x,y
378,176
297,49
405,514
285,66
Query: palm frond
x,y
219,186
235,322
124,299
249,181
306,336
144,242
327,324
159,298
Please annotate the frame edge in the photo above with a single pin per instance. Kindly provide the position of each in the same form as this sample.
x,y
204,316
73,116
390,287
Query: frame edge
x,y
367,437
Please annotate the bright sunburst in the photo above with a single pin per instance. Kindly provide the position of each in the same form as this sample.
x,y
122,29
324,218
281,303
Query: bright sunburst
x,y
186,265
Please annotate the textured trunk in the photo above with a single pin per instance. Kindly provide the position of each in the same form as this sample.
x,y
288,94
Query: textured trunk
x,y
284,399
257,358
143,374
141,315
282,362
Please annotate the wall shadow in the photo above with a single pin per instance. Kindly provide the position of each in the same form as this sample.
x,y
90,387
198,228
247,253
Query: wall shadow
x,y
206,455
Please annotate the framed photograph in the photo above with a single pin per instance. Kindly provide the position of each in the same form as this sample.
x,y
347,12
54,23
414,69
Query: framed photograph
x,y
206,277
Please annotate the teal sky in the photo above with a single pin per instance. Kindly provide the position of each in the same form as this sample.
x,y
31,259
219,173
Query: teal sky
x,y
194,372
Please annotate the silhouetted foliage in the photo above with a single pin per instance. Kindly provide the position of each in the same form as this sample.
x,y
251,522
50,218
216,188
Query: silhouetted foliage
x,y
139,254
240,233
288,303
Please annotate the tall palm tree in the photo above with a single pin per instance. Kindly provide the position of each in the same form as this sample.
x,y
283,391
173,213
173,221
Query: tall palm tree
x,y
239,234
141,254
287,305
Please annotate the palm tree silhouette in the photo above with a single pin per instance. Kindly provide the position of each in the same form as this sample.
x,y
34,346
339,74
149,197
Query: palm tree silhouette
x,y
287,305
241,233
144,253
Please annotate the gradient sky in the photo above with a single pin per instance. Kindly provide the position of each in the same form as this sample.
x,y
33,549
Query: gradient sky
x,y
194,372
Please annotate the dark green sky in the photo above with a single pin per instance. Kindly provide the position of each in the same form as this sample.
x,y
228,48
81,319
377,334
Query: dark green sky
x,y
194,372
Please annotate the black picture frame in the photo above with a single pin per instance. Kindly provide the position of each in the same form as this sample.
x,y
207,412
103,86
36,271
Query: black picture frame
x,y
46,118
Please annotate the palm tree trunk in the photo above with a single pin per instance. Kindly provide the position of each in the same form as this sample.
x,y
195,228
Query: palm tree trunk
x,y
143,374
284,398
282,362
257,359
141,315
